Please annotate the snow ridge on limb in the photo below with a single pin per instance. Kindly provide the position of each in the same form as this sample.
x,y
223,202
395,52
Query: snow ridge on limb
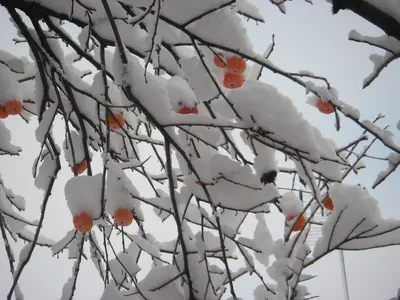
x,y
388,43
385,14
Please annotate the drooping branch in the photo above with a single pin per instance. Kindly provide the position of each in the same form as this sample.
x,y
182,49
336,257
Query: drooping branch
x,y
370,13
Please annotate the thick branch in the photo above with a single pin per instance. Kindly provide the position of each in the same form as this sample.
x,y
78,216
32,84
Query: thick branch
x,y
370,13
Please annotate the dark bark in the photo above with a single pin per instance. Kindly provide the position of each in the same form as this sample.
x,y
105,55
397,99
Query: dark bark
x,y
370,13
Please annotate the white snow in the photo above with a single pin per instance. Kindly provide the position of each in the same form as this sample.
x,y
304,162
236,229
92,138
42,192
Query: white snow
x,y
84,36
263,239
180,93
13,62
249,9
145,245
384,41
121,193
224,175
223,27
46,171
181,11
389,43
265,161
112,292
74,246
77,155
157,276
23,255
393,164
262,103
384,134
197,77
152,94
41,240
360,224
290,204
16,223
63,243
67,290
5,141
45,124
123,267
83,194
9,86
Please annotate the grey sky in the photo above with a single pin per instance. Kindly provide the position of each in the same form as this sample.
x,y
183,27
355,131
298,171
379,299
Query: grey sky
x,y
307,38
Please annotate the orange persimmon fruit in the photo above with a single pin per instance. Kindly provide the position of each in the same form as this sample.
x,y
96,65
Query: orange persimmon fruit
x,y
123,217
328,203
13,107
3,112
325,108
300,222
116,121
236,64
189,110
80,168
233,80
218,60
83,222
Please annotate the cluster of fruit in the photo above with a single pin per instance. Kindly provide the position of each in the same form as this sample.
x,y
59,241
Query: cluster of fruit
x,y
301,221
233,78
12,107
123,216
84,223
234,67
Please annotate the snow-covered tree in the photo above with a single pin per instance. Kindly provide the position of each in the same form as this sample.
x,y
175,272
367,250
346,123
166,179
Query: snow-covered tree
x,y
171,92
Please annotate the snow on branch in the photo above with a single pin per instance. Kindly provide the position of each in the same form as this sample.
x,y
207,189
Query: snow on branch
x,y
387,43
356,223
281,4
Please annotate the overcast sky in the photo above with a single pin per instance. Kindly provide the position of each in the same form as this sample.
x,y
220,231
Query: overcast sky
x,y
307,38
